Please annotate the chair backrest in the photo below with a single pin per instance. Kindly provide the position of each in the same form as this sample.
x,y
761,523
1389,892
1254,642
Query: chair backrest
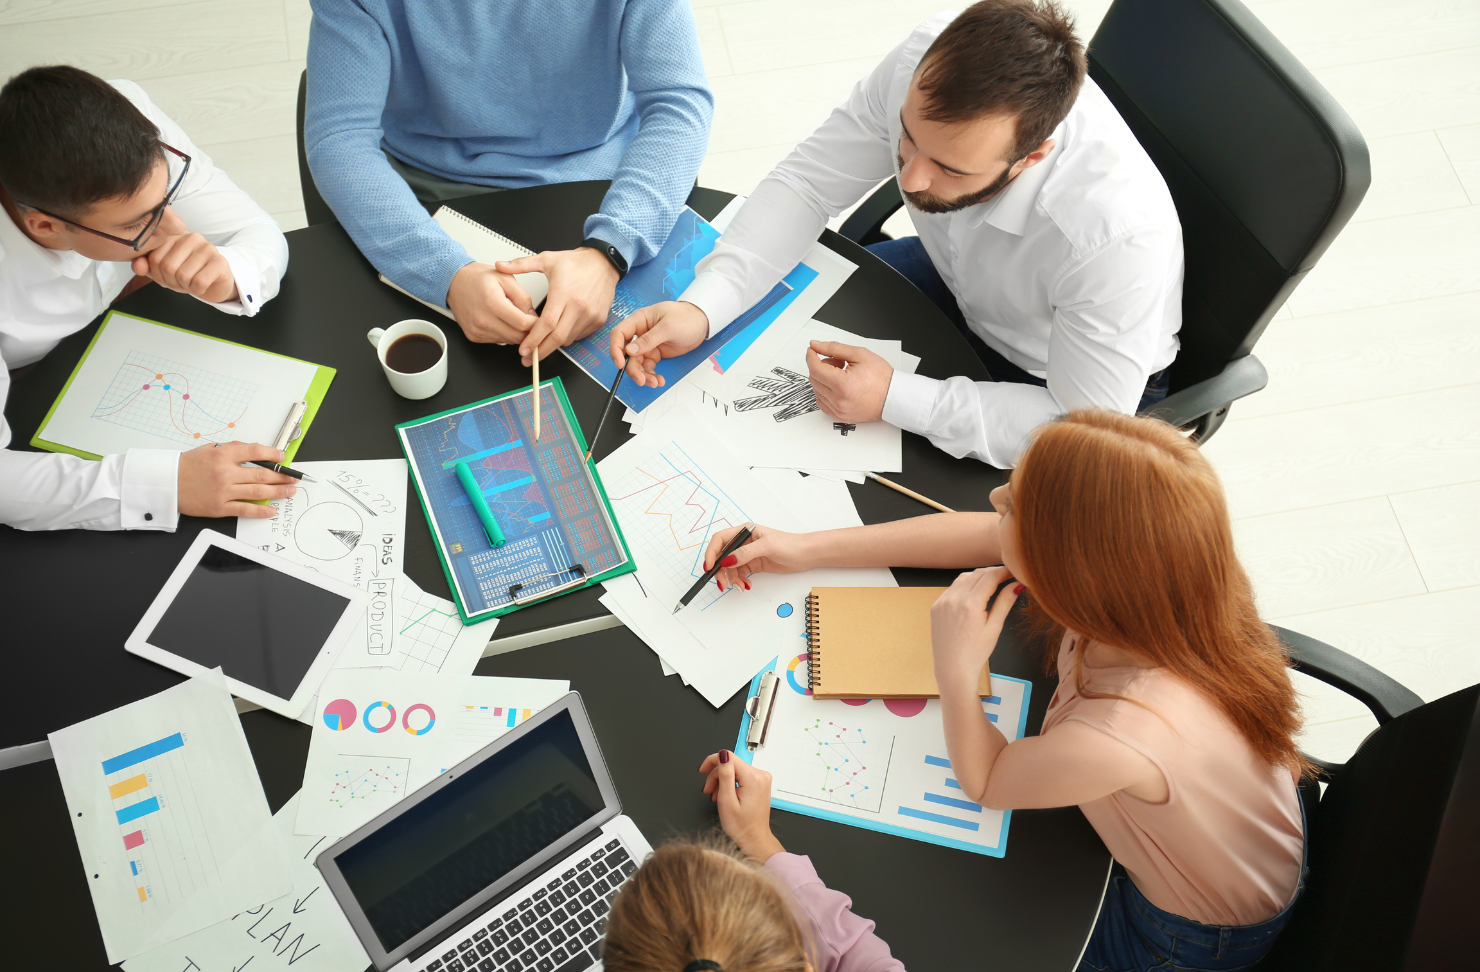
x,y
314,208
1265,168
1394,850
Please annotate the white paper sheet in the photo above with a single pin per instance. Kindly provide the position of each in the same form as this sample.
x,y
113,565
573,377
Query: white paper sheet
x,y
378,735
304,930
153,387
430,637
771,413
880,764
350,525
171,822
672,488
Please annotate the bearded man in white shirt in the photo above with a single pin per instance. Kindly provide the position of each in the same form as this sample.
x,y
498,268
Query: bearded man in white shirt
x,y
102,191
1045,233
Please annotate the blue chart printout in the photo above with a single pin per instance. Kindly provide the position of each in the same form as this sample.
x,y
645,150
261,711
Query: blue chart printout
x,y
545,499
665,277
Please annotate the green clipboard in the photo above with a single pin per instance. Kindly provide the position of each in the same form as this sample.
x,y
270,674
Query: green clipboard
x,y
317,389
441,544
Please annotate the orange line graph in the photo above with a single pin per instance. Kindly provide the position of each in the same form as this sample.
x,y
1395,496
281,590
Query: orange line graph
x,y
170,403
703,528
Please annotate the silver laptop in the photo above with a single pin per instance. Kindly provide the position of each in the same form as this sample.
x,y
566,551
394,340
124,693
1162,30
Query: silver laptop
x,y
508,861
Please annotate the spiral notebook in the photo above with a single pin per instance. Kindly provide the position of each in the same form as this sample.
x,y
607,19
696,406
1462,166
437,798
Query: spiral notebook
x,y
873,643
484,246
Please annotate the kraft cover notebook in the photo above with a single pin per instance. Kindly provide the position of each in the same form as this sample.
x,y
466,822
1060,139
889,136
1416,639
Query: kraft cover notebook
x,y
873,643
146,385
559,532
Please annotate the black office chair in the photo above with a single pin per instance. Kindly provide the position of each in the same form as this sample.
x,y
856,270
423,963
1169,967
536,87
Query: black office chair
x,y
1395,840
314,206
1263,165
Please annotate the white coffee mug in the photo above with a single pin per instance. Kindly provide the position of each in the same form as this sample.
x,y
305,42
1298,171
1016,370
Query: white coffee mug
x,y
422,384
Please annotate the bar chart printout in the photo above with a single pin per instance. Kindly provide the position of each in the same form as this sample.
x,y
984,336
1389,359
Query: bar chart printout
x,y
171,822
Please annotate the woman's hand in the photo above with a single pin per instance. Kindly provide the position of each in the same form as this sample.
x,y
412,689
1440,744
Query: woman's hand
x,y
768,550
963,633
744,809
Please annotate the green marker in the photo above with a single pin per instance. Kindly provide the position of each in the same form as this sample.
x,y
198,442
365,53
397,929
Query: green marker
x,y
480,505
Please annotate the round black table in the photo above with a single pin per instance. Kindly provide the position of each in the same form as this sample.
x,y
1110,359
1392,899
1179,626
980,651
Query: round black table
x,y
71,598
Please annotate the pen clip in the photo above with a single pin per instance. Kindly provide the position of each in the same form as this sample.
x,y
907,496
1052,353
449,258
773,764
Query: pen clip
x,y
760,707
292,426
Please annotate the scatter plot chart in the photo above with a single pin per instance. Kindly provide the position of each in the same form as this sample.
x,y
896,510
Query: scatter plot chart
x,y
840,764
182,404
373,780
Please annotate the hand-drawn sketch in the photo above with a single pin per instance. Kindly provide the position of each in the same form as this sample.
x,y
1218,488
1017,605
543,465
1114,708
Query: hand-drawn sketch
x,y
789,392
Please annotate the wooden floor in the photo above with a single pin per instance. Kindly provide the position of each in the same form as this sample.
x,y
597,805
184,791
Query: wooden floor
x,y
1354,477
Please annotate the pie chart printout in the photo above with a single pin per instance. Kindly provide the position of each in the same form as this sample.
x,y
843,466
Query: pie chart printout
x,y
339,715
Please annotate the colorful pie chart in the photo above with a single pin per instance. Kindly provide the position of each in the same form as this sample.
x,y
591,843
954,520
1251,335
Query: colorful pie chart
x,y
339,715
431,719
379,705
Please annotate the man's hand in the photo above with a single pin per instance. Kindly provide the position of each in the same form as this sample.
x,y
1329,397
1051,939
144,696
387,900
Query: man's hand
x,y
744,810
651,334
189,264
851,383
213,481
963,633
768,550
582,283
489,306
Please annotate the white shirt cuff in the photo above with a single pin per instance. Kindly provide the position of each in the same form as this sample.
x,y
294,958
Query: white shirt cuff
x,y
716,297
910,401
248,285
149,498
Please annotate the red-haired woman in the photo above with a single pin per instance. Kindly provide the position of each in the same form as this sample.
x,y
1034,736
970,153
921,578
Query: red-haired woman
x,y
1172,727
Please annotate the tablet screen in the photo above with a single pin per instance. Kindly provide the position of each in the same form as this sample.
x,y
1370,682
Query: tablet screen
x,y
261,626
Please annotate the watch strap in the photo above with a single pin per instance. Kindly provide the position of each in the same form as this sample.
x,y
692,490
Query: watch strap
x,y
608,251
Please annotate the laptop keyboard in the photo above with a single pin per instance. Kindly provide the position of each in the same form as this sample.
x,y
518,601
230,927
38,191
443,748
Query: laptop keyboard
x,y
557,928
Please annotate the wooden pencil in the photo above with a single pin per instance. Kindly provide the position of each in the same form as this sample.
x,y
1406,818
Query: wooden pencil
x,y
909,492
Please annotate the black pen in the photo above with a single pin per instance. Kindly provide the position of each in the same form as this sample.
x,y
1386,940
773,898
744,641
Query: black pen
x,y
736,542
278,467
602,424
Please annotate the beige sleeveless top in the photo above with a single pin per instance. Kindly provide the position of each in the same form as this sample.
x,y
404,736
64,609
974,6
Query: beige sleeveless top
x,y
1225,849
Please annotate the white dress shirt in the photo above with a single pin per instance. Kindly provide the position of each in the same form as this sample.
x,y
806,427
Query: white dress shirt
x,y
47,294
1073,272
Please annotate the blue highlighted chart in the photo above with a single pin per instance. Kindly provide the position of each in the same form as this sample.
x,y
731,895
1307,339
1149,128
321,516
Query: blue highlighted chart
x,y
370,710
431,719
953,811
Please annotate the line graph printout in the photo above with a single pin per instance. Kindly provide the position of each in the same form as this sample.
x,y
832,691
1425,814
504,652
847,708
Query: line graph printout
x,y
672,489
880,764
303,930
170,818
380,734
541,493
145,385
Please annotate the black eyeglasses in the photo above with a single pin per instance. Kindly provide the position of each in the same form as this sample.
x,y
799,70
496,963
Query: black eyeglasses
x,y
155,214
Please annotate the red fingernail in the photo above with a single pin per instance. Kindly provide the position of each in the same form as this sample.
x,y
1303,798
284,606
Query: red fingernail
x,y
724,755
729,561
1019,589
718,584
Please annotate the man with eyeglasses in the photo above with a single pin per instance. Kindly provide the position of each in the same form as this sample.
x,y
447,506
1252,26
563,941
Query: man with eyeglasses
x,y
102,193
1046,234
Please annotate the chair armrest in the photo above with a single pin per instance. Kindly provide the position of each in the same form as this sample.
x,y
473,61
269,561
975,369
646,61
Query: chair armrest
x,y
1386,697
865,225
1240,377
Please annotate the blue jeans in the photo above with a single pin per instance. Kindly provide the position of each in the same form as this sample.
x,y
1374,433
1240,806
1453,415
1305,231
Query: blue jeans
x,y
908,256
1134,935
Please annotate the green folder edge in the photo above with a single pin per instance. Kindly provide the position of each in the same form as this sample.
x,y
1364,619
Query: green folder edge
x,y
629,567
317,389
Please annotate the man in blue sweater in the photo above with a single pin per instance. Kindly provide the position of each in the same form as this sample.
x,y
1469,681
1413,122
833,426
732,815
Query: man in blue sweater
x,y
414,101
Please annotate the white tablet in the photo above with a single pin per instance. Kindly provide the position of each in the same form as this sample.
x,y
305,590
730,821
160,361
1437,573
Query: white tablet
x,y
273,627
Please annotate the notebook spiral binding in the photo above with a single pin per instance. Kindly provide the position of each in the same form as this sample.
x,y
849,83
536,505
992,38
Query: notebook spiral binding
x,y
496,235
814,663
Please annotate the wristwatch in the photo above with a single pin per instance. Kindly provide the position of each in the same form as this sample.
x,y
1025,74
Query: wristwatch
x,y
608,251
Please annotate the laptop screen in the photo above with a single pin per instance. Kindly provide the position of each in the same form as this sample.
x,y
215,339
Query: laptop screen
x,y
431,859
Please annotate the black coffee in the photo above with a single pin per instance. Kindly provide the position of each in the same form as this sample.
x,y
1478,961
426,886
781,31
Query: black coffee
x,y
411,353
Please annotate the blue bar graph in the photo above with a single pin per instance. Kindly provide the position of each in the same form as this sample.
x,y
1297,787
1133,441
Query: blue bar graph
x,y
141,809
156,748
953,802
952,783
937,761
484,454
993,700
939,818
505,487
134,866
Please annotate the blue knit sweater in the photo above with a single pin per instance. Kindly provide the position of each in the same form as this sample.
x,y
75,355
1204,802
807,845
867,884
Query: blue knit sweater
x,y
502,93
